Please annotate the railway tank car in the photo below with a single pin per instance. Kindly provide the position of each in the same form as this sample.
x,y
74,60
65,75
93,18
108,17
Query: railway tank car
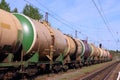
x,y
38,37
10,35
33,46
75,50
94,54
88,50
42,43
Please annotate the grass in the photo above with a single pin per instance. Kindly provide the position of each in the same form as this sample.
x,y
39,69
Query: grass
x,y
83,71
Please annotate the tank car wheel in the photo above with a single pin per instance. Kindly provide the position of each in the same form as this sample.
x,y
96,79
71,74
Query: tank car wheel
x,y
8,75
64,68
76,65
32,72
80,65
56,68
1,76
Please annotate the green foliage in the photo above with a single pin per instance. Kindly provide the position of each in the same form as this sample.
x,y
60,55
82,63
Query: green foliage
x,y
115,54
15,10
32,12
4,5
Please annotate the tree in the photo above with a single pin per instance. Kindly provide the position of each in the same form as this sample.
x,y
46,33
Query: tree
x,y
4,5
32,12
15,10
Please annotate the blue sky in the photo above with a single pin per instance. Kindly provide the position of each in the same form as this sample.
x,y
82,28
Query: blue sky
x,y
83,16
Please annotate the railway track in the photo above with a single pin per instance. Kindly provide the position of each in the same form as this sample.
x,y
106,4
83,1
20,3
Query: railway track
x,y
103,74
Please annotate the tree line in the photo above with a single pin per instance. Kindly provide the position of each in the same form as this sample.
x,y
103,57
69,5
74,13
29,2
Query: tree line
x,y
28,10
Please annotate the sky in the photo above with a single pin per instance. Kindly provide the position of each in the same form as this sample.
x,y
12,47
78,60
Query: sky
x,y
83,16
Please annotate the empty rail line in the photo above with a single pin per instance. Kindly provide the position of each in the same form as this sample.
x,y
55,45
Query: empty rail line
x,y
107,73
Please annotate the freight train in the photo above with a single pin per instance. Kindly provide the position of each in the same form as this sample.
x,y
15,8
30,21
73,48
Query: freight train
x,y
28,47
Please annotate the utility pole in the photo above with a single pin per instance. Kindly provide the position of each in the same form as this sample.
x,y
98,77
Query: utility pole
x,y
117,42
86,38
46,17
75,33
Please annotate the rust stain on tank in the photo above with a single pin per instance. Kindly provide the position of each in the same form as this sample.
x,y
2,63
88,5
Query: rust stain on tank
x,y
4,25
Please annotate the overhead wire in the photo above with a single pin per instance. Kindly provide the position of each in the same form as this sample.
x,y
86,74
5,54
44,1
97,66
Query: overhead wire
x,y
52,13
104,15
70,25
58,18
117,39
65,22
45,12
104,19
